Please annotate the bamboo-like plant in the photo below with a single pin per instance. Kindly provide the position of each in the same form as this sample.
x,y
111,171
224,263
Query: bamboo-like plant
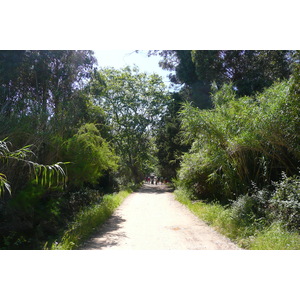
x,y
241,140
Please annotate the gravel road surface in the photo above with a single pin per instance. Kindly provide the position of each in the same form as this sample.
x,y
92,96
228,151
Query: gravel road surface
x,y
151,219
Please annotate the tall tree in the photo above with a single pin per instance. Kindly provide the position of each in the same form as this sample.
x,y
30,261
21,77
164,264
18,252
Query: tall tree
x,y
41,81
250,71
134,102
41,93
168,139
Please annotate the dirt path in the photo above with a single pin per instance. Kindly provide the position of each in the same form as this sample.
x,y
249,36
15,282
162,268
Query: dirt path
x,y
150,219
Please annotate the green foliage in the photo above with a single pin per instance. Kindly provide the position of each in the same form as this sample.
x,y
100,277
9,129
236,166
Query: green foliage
x,y
275,237
284,205
4,185
28,198
133,102
241,140
79,199
251,71
224,95
30,216
43,101
44,174
41,82
248,209
90,156
252,234
36,215
87,221
168,141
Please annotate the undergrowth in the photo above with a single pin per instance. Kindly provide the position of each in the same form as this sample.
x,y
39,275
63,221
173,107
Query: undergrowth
x,y
88,221
252,234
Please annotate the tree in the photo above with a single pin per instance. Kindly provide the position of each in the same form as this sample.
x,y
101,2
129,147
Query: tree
x,y
168,139
42,83
42,94
250,70
90,156
134,102
45,102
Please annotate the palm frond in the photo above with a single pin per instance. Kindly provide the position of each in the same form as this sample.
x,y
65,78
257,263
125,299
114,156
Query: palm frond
x,y
50,175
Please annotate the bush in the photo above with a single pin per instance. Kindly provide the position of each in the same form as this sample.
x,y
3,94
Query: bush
x,y
254,234
285,202
90,156
73,201
277,203
230,149
87,221
250,208
31,217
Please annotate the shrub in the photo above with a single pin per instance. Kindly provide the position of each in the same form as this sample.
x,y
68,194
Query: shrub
x,y
255,234
87,221
277,203
73,202
240,140
250,208
90,156
30,217
285,202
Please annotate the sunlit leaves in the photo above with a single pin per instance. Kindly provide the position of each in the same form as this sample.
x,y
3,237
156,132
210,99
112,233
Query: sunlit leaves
x,y
47,175
90,155
50,175
134,103
242,139
4,185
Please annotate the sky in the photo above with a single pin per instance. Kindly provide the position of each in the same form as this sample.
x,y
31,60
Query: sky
x,y
122,58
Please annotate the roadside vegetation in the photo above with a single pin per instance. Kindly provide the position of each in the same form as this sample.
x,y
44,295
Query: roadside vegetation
x,y
241,172
88,221
239,224
72,135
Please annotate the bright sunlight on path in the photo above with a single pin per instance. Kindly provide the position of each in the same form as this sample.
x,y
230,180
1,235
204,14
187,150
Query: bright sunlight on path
x,y
151,219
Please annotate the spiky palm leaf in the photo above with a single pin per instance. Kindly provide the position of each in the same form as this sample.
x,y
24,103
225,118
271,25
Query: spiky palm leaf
x,y
44,174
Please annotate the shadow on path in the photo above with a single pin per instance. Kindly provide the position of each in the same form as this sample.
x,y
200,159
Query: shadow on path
x,y
111,233
111,230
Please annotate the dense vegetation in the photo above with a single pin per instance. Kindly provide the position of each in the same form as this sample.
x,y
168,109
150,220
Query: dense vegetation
x,y
227,133
243,138
69,134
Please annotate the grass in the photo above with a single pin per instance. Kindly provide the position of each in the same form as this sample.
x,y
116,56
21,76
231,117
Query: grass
x,y
254,236
88,221
275,237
